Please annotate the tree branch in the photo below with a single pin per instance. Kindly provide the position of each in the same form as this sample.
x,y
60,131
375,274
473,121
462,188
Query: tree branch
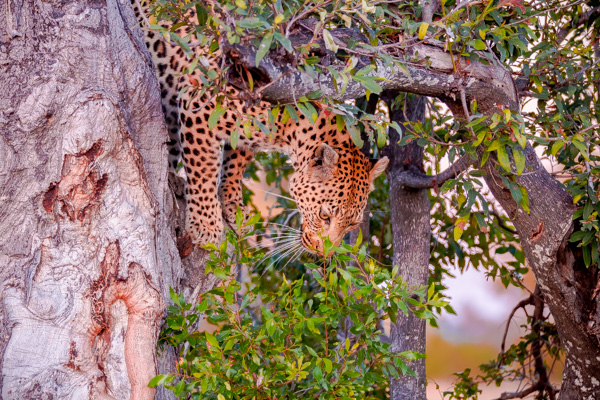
x,y
502,224
422,68
521,394
521,304
542,382
418,180
429,8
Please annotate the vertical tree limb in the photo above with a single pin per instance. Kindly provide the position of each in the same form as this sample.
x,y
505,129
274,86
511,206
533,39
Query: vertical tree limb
x,y
411,229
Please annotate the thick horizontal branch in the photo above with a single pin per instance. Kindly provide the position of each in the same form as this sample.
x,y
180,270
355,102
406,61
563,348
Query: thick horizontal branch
x,y
418,180
422,68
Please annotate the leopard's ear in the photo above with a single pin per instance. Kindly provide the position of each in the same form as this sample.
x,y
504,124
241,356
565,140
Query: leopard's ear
x,y
377,168
324,164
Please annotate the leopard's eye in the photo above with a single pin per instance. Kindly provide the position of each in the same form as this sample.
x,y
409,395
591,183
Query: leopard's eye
x,y
323,215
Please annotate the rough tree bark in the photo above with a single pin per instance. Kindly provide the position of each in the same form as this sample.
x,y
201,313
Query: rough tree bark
x,y
568,287
87,219
411,227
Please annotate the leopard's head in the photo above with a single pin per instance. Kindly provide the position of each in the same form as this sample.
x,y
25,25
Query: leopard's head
x,y
331,189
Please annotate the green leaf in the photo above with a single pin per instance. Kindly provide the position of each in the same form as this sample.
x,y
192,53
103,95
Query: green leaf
x,y
496,15
329,41
476,121
308,111
339,122
174,297
478,44
179,387
203,306
247,128
459,226
215,116
588,208
495,121
579,236
328,365
484,158
250,23
587,259
234,138
495,145
292,112
229,345
524,199
519,160
201,14
369,83
264,47
559,144
317,373
212,340
284,41
582,149
159,380
503,158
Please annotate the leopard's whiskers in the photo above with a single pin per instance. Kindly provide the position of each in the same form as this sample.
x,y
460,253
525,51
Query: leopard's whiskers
x,y
265,237
376,261
277,250
283,254
275,246
282,226
268,192
294,256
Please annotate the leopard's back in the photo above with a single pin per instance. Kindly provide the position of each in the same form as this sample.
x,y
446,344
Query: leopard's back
x,y
332,178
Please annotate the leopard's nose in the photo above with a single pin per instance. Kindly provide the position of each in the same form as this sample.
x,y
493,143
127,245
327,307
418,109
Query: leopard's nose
x,y
312,243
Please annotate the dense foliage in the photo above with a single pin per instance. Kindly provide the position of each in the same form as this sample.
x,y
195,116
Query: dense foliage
x,y
291,342
552,50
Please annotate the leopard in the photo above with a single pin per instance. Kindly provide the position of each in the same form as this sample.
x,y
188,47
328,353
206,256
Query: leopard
x,y
332,177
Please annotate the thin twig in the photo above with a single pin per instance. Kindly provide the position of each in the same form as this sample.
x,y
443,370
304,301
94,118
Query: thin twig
x,y
418,180
545,11
521,304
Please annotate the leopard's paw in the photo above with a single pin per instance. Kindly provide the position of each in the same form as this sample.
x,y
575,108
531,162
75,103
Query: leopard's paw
x,y
202,232
230,214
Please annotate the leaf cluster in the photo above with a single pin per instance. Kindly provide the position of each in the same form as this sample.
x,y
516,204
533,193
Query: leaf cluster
x,y
287,343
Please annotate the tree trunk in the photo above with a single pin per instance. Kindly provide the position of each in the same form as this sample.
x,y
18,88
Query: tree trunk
x,y
411,229
87,250
568,287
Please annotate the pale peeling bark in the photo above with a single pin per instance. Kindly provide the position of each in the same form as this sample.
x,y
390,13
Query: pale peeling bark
x,y
87,243
568,287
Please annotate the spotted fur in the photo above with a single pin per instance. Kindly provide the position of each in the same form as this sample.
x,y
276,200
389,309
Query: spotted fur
x,y
332,177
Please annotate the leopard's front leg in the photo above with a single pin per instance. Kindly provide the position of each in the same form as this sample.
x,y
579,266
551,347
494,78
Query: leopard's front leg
x,y
230,191
202,162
